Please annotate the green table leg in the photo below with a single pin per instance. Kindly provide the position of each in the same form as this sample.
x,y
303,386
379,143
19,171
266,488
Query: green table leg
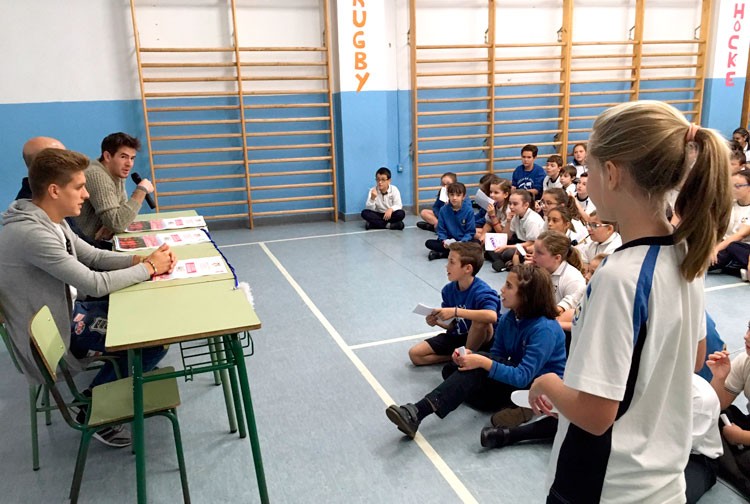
x,y
237,401
138,424
260,475
225,385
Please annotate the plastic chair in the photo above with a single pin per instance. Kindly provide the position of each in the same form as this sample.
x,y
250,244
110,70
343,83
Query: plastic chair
x,y
110,403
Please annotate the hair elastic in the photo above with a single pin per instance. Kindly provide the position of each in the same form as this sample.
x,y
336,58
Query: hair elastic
x,y
692,130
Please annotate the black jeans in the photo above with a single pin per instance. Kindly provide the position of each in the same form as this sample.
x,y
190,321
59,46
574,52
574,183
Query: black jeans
x,y
474,387
376,218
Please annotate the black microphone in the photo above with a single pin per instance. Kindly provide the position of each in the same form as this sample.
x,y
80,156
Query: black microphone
x,y
137,179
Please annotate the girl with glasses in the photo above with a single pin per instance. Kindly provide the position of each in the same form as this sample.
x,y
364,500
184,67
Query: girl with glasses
x,y
625,400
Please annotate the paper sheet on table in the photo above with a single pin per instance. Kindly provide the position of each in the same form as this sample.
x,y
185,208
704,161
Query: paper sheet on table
x,y
443,194
482,199
495,240
191,268
173,239
175,223
423,309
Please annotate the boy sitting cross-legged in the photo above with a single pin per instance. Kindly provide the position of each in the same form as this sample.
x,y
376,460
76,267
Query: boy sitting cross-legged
x,y
383,207
468,311
455,222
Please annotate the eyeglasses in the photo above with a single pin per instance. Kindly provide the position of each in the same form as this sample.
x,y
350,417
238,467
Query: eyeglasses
x,y
737,186
543,203
596,225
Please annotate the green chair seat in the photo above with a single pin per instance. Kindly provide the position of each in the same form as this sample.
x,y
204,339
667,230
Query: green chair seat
x,y
113,401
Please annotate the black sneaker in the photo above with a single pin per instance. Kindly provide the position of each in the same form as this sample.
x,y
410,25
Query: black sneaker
x,y
405,418
434,255
494,437
398,226
500,266
116,437
426,226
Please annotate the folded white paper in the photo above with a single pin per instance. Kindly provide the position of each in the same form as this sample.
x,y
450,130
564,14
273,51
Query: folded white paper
x,y
493,241
483,200
443,194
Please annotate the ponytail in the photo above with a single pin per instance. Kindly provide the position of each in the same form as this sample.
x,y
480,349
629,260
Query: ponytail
x,y
651,140
704,219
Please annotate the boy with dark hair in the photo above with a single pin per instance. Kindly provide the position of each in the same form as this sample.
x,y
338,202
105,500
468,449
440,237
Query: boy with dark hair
x,y
430,216
585,205
108,210
383,205
455,222
467,313
568,179
529,175
45,263
737,160
553,169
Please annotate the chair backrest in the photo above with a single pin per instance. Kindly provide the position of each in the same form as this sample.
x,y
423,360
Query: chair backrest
x,y
47,340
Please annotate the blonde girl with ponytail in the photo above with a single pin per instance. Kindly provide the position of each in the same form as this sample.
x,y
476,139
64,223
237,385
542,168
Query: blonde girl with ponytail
x,y
624,401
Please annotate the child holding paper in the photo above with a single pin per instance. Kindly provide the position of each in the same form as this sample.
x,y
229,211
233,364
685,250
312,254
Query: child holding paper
x,y
455,223
496,218
430,215
528,343
467,313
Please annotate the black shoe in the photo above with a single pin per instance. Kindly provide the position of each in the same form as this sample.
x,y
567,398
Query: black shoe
x,y
494,437
434,255
398,226
499,266
405,418
426,226
367,226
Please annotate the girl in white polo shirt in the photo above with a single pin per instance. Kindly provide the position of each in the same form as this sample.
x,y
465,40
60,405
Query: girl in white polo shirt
x,y
625,398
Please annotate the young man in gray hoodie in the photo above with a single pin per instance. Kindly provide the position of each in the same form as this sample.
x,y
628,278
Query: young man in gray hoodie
x,y
44,263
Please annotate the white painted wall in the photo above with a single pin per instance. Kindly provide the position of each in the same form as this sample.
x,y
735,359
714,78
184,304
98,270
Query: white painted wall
x,y
84,49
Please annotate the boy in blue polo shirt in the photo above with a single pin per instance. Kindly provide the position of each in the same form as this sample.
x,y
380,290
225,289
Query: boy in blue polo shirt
x,y
467,313
529,175
455,222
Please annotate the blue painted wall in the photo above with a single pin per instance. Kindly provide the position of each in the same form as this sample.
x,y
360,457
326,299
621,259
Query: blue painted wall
x,y
373,129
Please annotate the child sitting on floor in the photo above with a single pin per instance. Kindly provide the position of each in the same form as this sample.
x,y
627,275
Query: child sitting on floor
x,y
455,222
604,239
553,168
467,313
528,343
383,205
568,176
525,226
430,215
496,215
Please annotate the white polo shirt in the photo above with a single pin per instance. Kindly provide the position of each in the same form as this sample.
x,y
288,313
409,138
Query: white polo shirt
x,y
591,249
529,227
569,286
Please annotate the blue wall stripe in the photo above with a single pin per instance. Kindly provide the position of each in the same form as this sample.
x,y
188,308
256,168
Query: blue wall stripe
x,y
373,129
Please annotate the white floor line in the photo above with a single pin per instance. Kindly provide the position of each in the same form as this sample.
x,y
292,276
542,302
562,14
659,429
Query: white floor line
x,y
307,237
394,340
728,286
463,493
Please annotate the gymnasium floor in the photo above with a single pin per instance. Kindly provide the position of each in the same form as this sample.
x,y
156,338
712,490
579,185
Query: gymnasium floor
x,y
335,302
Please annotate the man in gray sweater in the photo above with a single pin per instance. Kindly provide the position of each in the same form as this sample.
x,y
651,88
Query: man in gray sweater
x,y
44,263
108,210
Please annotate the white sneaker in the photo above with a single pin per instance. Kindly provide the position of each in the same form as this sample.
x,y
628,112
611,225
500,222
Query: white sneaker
x,y
743,275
